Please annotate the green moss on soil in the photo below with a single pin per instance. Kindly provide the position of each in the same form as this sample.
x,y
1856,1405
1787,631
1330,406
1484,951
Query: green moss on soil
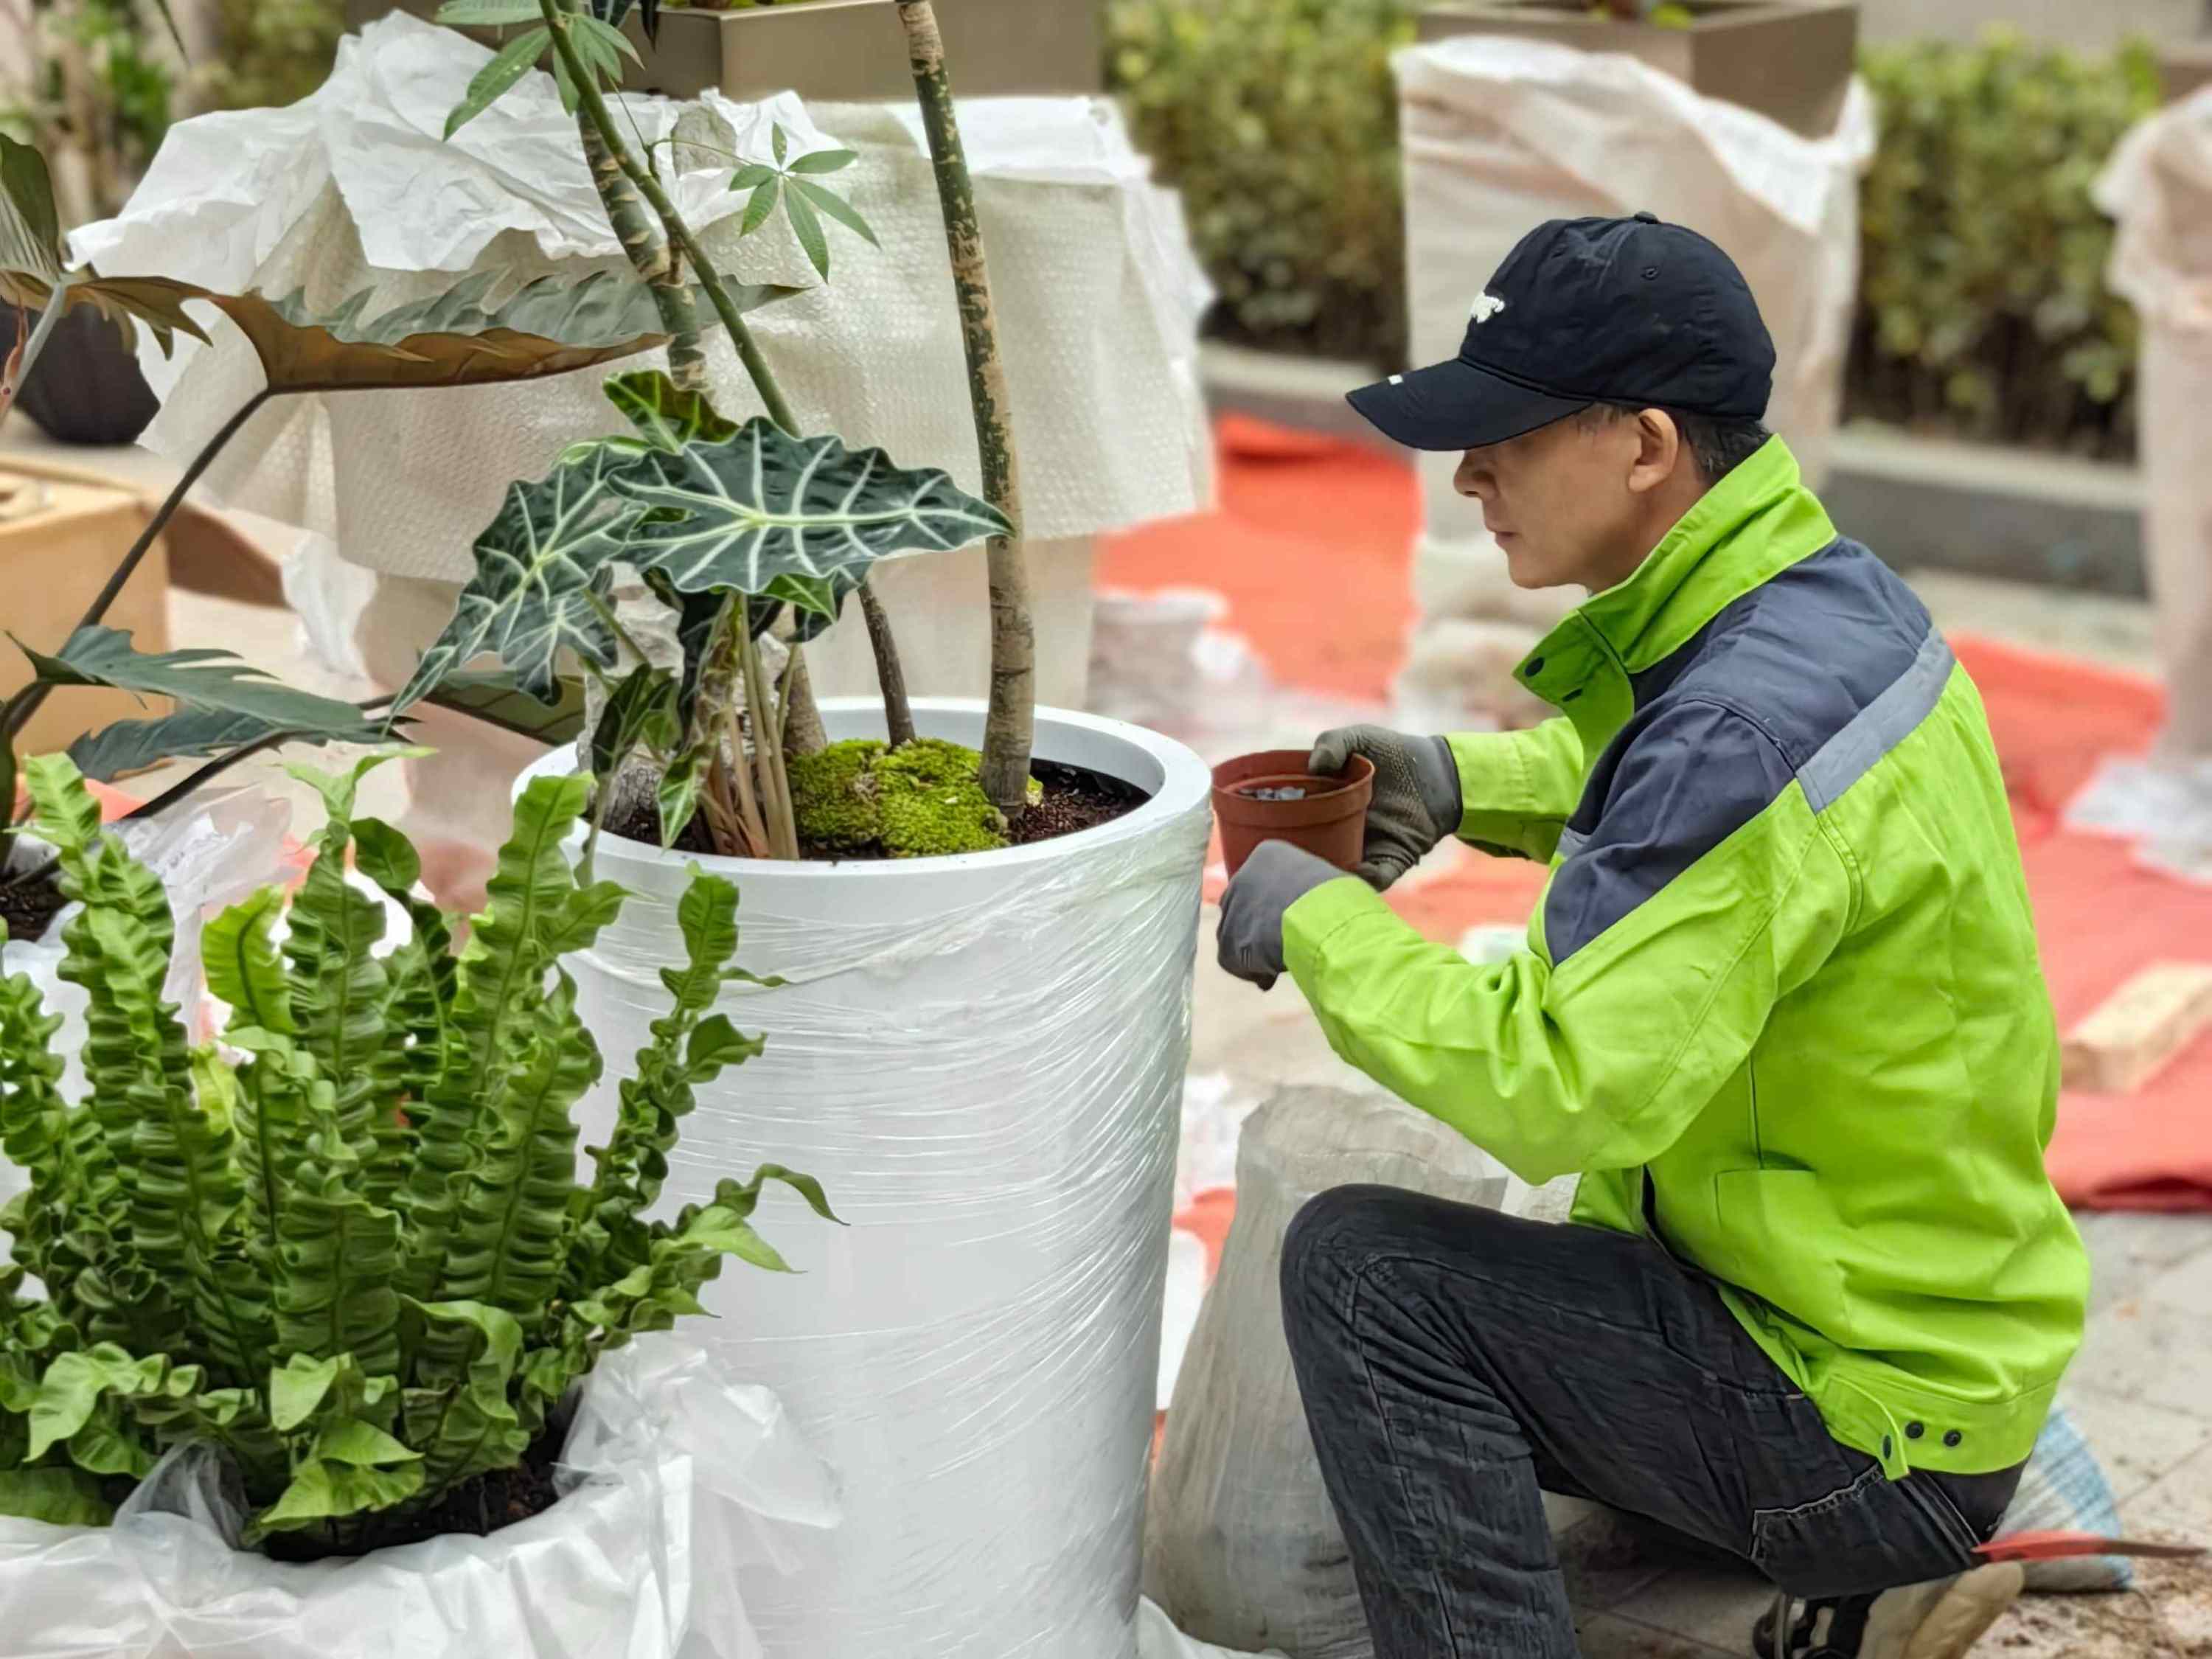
x,y
921,801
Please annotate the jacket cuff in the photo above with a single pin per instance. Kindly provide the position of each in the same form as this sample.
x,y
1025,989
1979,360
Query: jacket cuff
x,y
1499,812
1310,925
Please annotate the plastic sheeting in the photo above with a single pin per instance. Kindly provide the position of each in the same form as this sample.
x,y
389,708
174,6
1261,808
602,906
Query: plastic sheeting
x,y
982,1059
2159,187
354,187
667,1470
1501,135
1242,1544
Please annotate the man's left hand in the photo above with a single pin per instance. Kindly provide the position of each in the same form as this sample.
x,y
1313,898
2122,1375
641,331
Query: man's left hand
x,y
1276,877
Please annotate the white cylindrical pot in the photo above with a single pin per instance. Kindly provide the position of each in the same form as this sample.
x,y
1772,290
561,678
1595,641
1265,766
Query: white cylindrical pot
x,y
981,1058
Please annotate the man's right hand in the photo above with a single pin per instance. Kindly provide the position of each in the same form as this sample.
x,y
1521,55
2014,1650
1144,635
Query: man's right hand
x,y
1417,803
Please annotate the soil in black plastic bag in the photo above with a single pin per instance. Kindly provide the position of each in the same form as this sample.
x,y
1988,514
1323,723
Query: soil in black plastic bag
x,y
1075,799
476,1510
28,907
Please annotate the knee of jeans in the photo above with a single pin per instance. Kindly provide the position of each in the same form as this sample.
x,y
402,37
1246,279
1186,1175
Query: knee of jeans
x,y
1328,1239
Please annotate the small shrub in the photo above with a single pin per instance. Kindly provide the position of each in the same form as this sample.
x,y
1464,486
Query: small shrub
x,y
1278,119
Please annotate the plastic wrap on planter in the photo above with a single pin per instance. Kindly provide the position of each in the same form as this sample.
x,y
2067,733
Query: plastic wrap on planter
x,y
1501,135
667,1469
982,1059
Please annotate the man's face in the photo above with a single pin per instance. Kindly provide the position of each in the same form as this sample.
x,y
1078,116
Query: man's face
x,y
1561,502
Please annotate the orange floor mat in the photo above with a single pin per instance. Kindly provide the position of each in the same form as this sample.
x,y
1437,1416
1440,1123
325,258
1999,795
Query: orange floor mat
x,y
1310,528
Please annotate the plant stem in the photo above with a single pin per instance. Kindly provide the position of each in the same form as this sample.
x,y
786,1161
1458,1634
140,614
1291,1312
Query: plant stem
x,y
802,733
1010,728
767,751
649,255
593,109
890,673
57,303
26,704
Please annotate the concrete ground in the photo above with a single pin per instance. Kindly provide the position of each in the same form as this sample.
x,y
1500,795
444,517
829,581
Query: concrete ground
x,y
2140,1390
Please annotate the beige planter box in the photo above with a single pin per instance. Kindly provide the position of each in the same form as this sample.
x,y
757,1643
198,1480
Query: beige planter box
x,y
62,531
840,50
1788,59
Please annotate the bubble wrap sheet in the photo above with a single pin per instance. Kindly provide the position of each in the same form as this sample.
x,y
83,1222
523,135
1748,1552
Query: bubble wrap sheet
x,y
982,1060
1098,293
668,1466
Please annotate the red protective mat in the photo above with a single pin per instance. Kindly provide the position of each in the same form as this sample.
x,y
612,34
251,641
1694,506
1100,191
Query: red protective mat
x,y
1312,546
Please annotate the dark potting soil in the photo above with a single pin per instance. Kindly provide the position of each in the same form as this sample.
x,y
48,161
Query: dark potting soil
x,y
476,1509
1075,799
29,906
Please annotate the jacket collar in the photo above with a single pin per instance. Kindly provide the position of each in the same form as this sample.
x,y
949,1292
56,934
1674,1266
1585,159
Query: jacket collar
x,y
1748,528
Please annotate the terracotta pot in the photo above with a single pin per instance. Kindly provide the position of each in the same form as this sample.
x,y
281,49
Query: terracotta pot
x,y
1329,821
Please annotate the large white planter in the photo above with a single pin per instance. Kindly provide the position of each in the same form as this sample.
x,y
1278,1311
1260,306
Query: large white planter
x,y
981,1058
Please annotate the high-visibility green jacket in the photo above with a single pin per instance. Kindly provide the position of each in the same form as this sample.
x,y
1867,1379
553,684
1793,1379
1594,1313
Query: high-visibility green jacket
x,y
1781,1005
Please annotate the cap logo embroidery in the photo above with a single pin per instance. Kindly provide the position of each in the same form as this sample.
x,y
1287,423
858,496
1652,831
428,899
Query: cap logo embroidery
x,y
1487,306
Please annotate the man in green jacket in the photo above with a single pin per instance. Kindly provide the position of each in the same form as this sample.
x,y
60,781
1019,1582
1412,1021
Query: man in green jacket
x,y
1780,1008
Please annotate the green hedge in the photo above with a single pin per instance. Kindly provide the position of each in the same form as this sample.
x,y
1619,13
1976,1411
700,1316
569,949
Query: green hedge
x,y
1983,308
1982,301
1279,120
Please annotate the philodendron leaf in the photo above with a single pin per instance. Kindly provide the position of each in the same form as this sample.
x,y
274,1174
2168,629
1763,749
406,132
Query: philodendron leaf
x,y
667,416
764,507
207,681
30,223
130,746
544,568
493,697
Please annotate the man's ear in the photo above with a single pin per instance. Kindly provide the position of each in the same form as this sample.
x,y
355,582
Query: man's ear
x,y
1659,451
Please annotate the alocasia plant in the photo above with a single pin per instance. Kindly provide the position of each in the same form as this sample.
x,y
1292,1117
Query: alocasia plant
x,y
346,1242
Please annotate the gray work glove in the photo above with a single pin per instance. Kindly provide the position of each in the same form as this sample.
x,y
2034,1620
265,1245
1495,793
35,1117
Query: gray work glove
x,y
1276,877
1417,804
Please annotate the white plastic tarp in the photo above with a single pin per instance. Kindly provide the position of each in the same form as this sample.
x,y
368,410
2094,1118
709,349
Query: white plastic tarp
x,y
670,1476
356,188
1501,135
2158,188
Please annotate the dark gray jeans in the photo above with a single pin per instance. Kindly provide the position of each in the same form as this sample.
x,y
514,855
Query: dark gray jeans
x,y
1455,1363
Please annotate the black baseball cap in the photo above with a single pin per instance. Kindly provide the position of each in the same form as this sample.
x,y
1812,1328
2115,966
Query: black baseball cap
x,y
1584,312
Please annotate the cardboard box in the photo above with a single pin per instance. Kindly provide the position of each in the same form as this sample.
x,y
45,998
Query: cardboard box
x,y
2183,66
62,531
852,50
1788,59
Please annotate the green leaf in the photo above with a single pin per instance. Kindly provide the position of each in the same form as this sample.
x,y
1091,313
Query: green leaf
x,y
678,796
76,1384
488,14
384,856
752,176
716,1045
60,1498
241,964
837,208
667,416
610,40
808,228
362,1445
337,1255
117,751
325,1490
824,161
340,789
532,895
202,679
641,711
297,1389
782,142
494,80
494,696
762,507
761,205
30,222
543,570
474,1427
